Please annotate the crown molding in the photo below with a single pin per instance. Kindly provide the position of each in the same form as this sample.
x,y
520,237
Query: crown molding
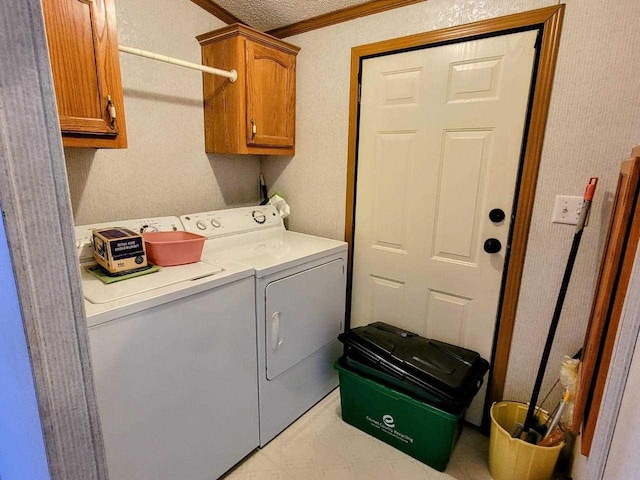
x,y
339,16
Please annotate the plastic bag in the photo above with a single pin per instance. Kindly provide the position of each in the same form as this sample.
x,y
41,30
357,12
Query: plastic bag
x,y
281,206
569,382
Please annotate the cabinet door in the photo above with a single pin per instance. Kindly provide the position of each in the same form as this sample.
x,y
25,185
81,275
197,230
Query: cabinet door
x,y
86,71
271,96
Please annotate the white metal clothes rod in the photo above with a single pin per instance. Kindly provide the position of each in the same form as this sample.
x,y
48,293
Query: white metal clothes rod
x,y
231,75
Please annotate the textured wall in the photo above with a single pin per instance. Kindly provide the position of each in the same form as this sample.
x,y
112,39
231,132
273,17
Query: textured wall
x,y
593,124
165,170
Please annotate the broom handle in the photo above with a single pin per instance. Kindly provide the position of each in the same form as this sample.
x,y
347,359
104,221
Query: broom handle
x,y
588,197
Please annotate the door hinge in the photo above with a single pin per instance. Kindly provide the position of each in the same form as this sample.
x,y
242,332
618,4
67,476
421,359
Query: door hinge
x,y
111,109
359,92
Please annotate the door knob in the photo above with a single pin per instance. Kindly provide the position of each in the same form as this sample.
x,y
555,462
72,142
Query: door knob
x,y
492,245
496,215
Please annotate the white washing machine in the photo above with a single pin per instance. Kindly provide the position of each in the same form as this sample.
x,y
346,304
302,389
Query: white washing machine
x,y
300,305
174,363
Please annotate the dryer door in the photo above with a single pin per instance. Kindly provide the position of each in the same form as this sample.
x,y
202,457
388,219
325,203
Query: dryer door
x,y
304,312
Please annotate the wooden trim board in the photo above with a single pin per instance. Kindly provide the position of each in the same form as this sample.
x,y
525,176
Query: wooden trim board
x,y
548,21
621,361
217,11
615,272
339,16
34,197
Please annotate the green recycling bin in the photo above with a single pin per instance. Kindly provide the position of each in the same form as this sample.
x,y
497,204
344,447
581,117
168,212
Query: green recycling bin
x,y
413,427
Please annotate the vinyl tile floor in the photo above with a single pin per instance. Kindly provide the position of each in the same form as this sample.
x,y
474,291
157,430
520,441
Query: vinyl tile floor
x,y
320,446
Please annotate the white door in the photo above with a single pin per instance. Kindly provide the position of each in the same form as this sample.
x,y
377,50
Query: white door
x,y
440,137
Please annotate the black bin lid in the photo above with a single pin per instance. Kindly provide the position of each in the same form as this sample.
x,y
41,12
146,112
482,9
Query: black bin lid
x,y
448,367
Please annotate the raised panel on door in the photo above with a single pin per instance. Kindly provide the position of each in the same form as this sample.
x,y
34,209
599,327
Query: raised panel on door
x,y
270,96
381,289
304,312
392,170
74,30
386,301
460,196
447,317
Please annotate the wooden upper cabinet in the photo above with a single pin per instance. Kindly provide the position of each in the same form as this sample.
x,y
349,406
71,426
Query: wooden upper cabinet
x,y
83,49
256,113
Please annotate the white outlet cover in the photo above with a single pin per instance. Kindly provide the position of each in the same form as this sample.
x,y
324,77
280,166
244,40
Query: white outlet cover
x,y
567,209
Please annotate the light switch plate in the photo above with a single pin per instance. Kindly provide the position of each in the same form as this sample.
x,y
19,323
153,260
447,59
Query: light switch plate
x,y
567,209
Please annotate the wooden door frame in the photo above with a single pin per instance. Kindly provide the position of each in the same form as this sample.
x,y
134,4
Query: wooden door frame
x,y
36,210
548,22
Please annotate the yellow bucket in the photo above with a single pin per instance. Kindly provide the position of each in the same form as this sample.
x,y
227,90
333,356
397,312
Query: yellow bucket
x,y
512,458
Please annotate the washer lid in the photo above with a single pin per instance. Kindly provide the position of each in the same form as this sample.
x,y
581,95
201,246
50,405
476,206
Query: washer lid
x,y
272,251
97,292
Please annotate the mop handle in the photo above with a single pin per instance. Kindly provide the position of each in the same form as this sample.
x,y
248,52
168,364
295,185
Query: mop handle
x,y
586,204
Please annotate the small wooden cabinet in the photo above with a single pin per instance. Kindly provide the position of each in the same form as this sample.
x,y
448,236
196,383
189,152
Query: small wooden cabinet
x,y
83,48
256,114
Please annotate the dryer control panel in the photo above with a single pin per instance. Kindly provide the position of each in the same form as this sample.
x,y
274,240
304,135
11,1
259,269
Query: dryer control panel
x,y
221,223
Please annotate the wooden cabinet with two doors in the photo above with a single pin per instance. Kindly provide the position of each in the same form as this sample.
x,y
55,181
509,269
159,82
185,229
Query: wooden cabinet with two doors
x,y
256,113
253,115
83,49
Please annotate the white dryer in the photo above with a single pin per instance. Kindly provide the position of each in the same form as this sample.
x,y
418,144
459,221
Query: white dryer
x,y
174,363
300,305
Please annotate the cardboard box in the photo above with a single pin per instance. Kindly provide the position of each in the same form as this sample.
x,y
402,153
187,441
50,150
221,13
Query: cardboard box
x,y
119,250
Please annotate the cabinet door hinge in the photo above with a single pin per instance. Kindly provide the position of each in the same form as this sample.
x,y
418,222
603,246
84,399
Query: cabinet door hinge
x,y
111,109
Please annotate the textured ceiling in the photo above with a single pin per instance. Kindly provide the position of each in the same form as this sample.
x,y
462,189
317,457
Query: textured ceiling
x,y
269,14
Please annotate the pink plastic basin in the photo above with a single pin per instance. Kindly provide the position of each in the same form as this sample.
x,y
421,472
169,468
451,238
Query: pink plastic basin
x,y
173,248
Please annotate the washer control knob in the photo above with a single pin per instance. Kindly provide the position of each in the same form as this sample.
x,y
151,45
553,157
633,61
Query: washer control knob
x,y
258,216
201,225
148,228
215,223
